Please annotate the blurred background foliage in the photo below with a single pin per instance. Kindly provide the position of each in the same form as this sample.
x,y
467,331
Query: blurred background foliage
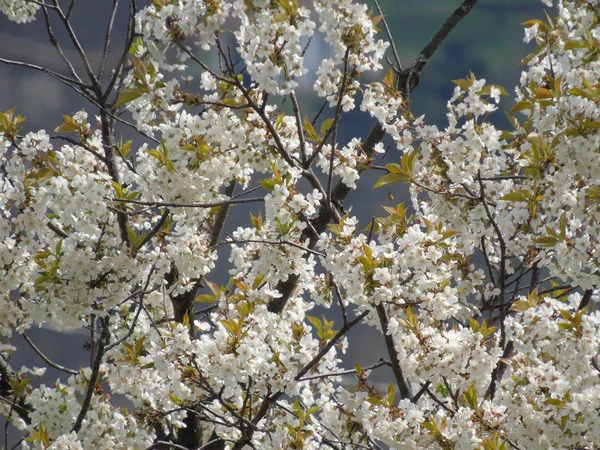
x,y
488,42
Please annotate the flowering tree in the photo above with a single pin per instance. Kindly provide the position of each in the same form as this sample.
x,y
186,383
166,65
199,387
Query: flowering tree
x,y
482,288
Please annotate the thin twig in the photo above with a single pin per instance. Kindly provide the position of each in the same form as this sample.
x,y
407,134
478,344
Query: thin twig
x,y
154,230
123,58
268,242
299,126
381,363
57,46
107,38
62,78
389,34
190,205
75,41
79,144
46,359
342,332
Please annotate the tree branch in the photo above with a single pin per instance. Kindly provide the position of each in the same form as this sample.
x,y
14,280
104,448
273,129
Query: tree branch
x,y
403,385
46,359
94,377
190,205
107,39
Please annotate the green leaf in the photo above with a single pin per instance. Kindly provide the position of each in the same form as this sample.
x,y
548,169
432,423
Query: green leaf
x,y
133,237
135,46
391,394
309,129
175,399
205,298
229,102
18,386
517,196
258,281
390,178
129,95
447,234
326,125
139,346
68,126
389,79
316,322
469,397
140,71
474,325
268,183
464,83
256,221
278,121
563,226
231,326
547,241
393,168
572,45
520,106
533,54
541,93
529,23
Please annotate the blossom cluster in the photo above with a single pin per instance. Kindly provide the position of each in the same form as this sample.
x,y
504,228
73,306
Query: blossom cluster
x,y
20,11
482,288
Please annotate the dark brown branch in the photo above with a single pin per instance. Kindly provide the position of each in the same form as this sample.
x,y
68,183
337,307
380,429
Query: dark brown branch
x,y
585,300
407,82
460,13
419,394
501,242
335,119
94,377
190,205
110,146
403,385
60,233
499,370
433,397
487,261
334,127
79,144
154,230
319,224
